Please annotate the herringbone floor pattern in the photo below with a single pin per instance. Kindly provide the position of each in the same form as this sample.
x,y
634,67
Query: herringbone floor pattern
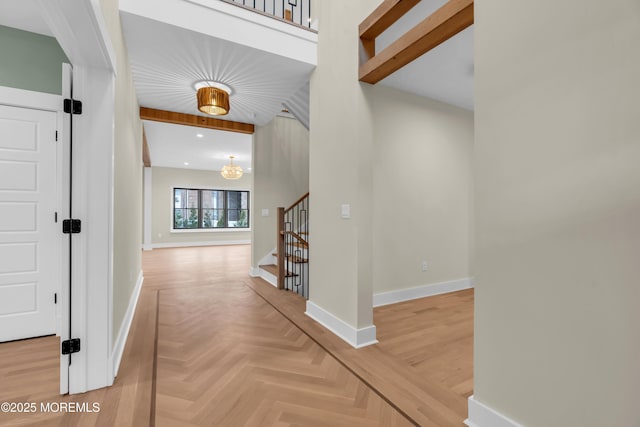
x,y
224,357
227,358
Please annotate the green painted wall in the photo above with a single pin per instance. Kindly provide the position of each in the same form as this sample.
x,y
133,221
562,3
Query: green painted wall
x,y
30,61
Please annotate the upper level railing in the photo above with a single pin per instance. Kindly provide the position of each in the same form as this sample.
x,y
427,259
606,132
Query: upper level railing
x,y
293,11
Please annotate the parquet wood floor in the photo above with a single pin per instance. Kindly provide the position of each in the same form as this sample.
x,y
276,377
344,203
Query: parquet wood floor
x,y
29,372
227,358
228,355
420,394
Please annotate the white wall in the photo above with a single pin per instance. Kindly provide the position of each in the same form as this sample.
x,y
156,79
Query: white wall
x,y
280,177
164,180
557,144
340,170
127,258
421,190
403,164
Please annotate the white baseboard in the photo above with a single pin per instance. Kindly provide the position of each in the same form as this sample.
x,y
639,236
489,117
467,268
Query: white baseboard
x,y
480,415
355,337
147,247
191,244
123,333
392,297
254,272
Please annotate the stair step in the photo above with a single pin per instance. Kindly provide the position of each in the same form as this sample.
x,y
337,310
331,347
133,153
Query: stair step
x,y
298,260
299,245
296,244
273,269
295,259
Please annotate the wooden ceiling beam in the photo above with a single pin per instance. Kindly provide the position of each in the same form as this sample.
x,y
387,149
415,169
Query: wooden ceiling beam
x,y
444,23
384,16
146,157
193,120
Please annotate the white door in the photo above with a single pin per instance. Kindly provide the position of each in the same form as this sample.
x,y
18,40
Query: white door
x,y
29,245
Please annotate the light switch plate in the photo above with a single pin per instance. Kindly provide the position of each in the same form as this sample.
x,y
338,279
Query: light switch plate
x,y
345,211
265,212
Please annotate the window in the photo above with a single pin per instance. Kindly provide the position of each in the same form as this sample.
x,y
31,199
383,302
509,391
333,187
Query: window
x,y
204,209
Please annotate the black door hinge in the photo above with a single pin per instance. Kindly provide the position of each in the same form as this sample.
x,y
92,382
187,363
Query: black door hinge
x,y
71,226
71,346
72,106
55,298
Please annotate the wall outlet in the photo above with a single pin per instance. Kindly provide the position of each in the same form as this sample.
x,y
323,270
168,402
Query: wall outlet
x,y
159,234
425,266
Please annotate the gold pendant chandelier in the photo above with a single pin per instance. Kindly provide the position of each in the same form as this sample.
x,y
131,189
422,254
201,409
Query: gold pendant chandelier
x,y
231,171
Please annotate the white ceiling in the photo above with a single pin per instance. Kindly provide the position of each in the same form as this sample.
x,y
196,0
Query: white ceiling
x,y
24,15
174,145
167,60
444,73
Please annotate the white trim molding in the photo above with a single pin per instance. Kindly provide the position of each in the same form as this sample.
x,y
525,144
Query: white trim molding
x,y
121,340
210,230
81,31
357,338
192,244
267,277
30,99
392,297
480,415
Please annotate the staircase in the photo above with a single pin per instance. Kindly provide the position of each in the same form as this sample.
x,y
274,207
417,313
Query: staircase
x,y
292,253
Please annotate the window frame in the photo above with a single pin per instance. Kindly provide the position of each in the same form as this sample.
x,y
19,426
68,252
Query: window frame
x,y
199,208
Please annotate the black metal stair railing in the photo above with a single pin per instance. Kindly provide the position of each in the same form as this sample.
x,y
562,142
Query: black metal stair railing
x,y
293,247
295,11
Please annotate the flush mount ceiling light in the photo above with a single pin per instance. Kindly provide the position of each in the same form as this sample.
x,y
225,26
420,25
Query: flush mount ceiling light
x,y
213,98
231,171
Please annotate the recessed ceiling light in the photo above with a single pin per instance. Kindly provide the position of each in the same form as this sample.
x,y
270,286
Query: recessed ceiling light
x,y
186,163
200,135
